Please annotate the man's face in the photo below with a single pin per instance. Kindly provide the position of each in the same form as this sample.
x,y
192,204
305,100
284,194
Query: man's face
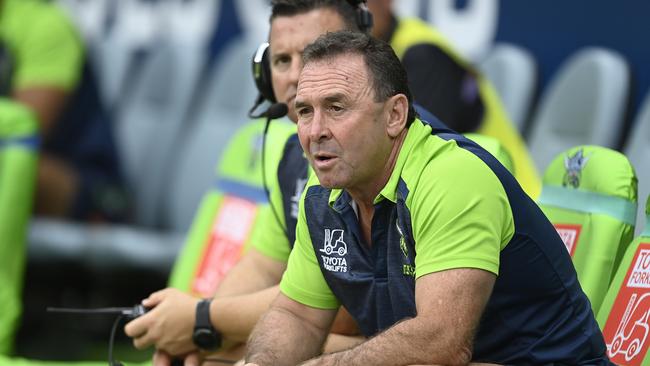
x,y
341,128
289,37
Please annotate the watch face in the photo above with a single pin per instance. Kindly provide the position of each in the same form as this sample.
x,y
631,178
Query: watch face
x,y
206,339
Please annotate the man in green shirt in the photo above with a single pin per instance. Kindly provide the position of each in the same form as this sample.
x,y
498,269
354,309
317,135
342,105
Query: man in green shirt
x,y
426,239
249,288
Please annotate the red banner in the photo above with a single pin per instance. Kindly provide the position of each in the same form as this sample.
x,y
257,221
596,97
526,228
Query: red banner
x,y
627,331
230,231
570,235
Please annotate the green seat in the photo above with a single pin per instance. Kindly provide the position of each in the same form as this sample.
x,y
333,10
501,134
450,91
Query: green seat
x,y
589,193
624,314
494,147
226,217
18,157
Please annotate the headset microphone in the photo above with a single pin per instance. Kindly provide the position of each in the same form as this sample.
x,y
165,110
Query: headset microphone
x,y
277,110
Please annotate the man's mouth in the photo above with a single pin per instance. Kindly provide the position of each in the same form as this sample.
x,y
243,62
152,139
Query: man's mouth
x,y
323,157
324,160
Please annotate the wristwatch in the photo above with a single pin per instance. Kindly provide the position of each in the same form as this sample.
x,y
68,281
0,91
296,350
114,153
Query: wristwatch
x,y
205,336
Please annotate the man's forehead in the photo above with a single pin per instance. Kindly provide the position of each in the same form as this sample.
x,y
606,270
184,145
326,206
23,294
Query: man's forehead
x,y
350,65
332,75
304,27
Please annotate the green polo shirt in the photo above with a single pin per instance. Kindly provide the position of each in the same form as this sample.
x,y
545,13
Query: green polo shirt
x,y
459,213
44,44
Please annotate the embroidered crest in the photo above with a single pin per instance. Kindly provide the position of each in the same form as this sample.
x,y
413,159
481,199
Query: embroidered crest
x,y
402,242
574,165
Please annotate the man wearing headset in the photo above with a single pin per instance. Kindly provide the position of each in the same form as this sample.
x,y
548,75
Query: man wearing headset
x,y
177,324
252,284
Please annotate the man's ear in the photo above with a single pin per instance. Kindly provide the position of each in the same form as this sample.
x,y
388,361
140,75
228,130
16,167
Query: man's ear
x,y
398,108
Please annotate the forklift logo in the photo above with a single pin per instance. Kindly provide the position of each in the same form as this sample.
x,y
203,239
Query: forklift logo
x,y
339,247
334,244
627,331
632,332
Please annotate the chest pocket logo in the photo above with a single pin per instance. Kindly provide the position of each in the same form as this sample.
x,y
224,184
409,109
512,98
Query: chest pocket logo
x,y
338,246
335,248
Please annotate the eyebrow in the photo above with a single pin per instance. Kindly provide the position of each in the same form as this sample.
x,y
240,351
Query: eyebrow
x,y
337,97
299,103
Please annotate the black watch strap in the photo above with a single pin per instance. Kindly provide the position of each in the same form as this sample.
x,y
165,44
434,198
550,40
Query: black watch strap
x,y
203,314
204,335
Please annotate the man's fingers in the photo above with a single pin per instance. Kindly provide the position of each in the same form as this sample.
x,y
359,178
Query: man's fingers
x,y
161,358
192,359
137,327
142,342
155,298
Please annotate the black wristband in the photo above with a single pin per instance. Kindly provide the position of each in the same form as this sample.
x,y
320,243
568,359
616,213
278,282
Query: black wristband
x,y
205,336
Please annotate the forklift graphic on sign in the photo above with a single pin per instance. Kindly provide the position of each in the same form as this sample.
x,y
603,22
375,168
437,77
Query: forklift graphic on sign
x,y
338,246
633,330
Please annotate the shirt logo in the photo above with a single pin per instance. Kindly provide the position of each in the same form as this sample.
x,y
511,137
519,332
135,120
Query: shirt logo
x,y
339,247
574,165
335,248
408,269
402,242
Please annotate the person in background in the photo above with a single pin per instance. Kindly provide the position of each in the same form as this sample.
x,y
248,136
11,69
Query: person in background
x,y
426,239
42,66
450,87
249,288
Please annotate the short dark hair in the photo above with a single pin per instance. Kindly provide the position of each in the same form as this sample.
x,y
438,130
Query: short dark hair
x,y
388,75
293,7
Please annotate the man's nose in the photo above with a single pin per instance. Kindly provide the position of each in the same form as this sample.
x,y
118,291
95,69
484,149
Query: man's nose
x,y
318,127
294,73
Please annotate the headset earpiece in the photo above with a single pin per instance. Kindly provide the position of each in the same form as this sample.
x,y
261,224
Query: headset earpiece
x,y
364,17
262,72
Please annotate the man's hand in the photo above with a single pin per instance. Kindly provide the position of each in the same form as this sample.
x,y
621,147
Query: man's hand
x,y
161,358
289,333
168,325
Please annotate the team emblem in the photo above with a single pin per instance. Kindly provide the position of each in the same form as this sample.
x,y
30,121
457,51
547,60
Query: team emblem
x,y
574,165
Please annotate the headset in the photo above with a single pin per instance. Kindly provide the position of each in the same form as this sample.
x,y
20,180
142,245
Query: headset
x,y
262,67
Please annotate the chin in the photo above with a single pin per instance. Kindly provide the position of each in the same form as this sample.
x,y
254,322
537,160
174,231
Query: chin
x,y
327,183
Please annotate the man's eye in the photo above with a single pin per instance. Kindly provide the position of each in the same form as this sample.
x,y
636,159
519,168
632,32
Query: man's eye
x,y
282,61
303,112
336,108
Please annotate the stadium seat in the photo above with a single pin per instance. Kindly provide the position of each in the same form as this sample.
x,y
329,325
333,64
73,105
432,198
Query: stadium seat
x,y
18,157
625,313
147,130
589,193
637,149
226,218
513,72
223,103
584,103
150,126
494,147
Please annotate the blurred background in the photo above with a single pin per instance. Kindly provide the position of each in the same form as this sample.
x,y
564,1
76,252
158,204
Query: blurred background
x,y
172,80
